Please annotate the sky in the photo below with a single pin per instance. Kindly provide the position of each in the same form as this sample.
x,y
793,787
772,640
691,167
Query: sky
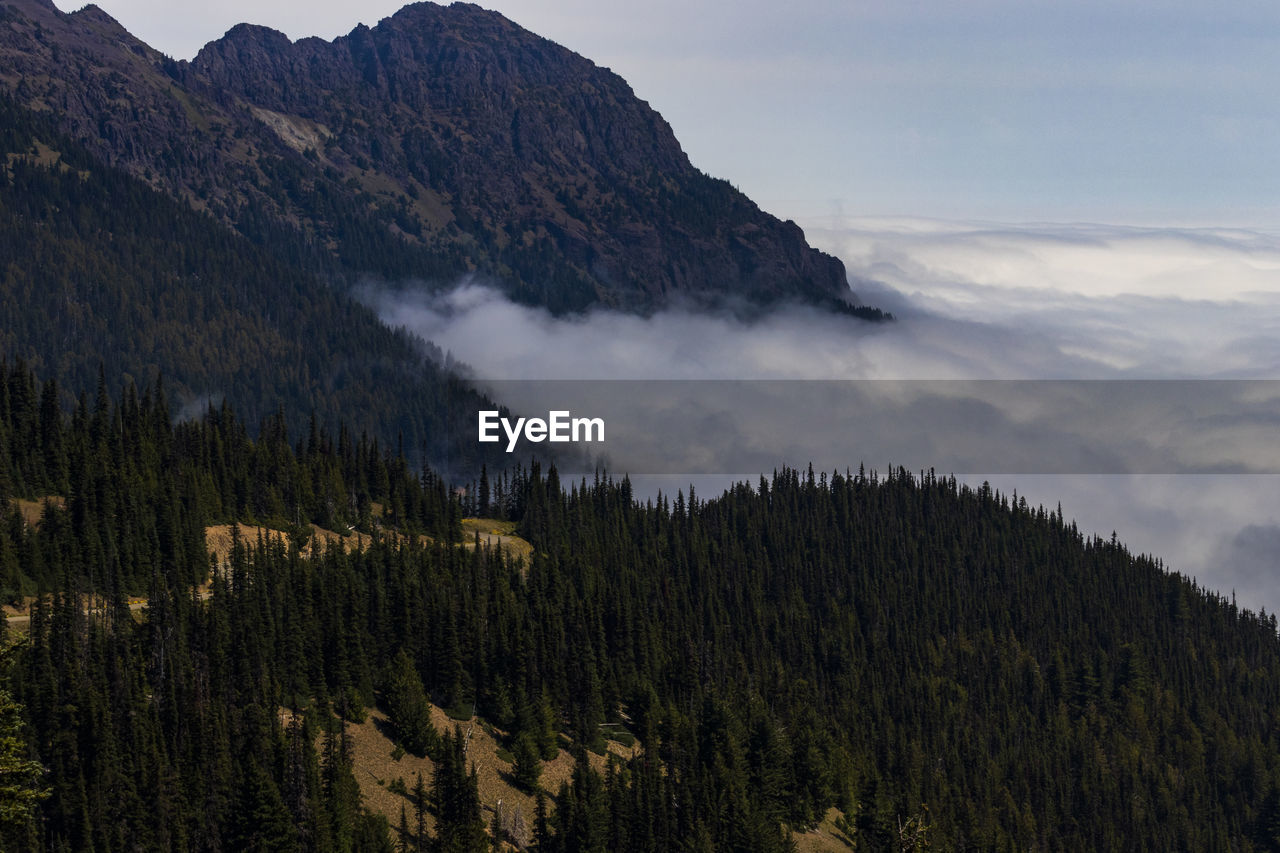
x,y
1141,113
1038,190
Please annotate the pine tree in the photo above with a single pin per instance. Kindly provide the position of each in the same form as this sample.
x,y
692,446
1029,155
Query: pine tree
x,y
406,844
262,821
459,826
22,785
420,814
407,706
542,840
528,766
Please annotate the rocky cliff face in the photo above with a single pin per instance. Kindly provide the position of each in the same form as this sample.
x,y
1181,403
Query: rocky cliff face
x,y
443,140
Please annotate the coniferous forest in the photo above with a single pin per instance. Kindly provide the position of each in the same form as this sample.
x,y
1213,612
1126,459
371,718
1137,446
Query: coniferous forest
x,y
943,665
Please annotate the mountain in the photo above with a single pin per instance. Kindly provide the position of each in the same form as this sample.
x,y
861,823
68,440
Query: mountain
x,y
443,141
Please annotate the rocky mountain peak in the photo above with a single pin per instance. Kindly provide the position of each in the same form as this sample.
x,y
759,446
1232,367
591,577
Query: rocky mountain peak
x,y
444,140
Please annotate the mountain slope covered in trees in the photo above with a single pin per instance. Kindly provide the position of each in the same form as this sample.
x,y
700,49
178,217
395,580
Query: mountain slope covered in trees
x,y
99,272
918,653
443,141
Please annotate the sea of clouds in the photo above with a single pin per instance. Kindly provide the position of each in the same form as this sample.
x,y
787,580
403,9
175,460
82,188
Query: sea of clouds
x,y
1094,321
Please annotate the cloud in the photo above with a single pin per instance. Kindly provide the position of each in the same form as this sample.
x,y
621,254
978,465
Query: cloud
x,y
1079,259
976,302
1253,558
1078,301
503,340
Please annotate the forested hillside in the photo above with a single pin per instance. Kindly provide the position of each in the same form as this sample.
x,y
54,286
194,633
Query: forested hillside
x,y
932,660
100,272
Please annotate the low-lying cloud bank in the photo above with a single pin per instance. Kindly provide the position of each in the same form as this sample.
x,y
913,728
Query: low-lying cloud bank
x,y
974,302
1087,301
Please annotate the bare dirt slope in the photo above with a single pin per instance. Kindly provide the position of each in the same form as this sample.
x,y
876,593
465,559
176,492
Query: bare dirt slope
x,y
31,511
493,532
378,772
825,838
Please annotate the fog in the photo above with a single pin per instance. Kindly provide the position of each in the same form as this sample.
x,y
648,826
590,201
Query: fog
x,y
974,301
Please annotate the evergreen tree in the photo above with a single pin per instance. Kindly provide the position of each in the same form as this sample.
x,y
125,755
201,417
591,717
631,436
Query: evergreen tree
x,y
408,708
459,826
528,766
22,785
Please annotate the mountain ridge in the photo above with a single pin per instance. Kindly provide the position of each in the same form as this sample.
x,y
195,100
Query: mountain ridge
x,y
441,142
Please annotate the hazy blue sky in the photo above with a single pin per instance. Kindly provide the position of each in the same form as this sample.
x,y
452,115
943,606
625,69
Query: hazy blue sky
x,y
1138,112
